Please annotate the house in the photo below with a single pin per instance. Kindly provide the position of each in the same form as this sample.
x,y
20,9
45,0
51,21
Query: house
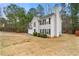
x,y
50,24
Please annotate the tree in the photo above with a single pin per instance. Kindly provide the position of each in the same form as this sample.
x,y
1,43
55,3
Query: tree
x,y
74,11
63,12
2,23
16,16
32,11
0,12
40,10
49,9
64,17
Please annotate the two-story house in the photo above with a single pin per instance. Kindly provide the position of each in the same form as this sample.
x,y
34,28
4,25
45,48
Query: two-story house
x,y
50,24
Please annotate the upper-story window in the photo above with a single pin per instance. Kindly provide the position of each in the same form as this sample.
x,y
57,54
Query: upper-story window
x,y
49,20
34,24
43,21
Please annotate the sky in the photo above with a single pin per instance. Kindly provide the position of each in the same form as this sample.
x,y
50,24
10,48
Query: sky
x,y
27,6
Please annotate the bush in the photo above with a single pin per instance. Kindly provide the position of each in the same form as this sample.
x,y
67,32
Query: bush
x,y
43,35
34,33
38,34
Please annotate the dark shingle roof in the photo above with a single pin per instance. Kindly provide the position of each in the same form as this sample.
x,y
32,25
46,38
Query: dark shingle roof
x,y
46,16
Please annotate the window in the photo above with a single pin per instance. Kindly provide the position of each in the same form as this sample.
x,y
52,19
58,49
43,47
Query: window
x,y
45,21
40,30
49,31
40,22
34,30
45,31
49,20
34,24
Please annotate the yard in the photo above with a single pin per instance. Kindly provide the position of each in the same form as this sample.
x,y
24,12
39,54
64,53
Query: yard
x,y
24,44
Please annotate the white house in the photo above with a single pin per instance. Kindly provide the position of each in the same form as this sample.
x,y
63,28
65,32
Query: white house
x,y
50,24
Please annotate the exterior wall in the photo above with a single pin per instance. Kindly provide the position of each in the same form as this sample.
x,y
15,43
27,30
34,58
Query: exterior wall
x,y
38,26
30,31
52,26
35,20
55,24
58,26
45,26
48,26
59,23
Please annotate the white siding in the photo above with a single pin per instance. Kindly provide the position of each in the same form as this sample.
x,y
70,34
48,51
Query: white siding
x,y
52,27
59,24
55,26
30,31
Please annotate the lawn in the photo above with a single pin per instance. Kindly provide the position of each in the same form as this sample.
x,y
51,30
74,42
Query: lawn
x,y
24,44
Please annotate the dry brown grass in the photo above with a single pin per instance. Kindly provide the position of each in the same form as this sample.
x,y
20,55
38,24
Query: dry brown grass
x,y
24,44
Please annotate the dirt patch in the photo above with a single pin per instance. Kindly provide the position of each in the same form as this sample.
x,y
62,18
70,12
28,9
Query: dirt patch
x,y
24,44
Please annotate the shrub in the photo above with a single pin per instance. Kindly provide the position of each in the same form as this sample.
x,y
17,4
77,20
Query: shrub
x,y
43,35
38,34
34,33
